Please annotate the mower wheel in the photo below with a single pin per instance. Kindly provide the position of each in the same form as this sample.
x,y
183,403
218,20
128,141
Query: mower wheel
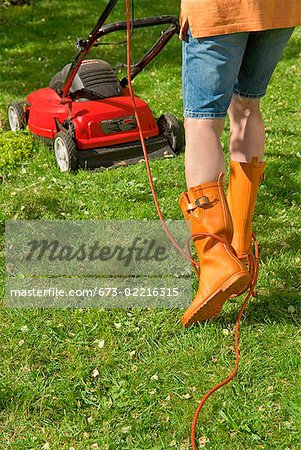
x,y
65,152
16,117
172,130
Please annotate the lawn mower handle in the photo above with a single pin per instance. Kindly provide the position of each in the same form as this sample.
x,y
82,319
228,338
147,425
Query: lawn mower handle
x,y
166,35
99,31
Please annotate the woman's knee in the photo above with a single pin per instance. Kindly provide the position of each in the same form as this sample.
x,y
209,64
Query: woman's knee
x,y
215,126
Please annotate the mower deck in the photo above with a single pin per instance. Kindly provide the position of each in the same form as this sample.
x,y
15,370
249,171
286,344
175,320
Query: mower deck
x,y
124,154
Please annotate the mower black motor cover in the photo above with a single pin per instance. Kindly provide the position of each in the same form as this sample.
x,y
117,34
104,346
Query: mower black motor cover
x,y
94,80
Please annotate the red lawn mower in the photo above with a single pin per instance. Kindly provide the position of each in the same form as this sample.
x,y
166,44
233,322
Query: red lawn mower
x,y
87,114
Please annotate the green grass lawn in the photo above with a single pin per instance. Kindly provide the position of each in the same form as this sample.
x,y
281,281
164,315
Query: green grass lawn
x,y
49,398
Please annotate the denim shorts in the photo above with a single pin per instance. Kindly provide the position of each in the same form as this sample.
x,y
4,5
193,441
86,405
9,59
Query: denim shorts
x,y
214,68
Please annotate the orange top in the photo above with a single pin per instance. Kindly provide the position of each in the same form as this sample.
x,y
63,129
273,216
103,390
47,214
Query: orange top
x,y
213,17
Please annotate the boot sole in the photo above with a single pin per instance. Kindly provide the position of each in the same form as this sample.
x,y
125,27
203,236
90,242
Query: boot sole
x,y
213,304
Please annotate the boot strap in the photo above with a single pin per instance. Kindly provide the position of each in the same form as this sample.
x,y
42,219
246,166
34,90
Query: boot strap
x,y
188,205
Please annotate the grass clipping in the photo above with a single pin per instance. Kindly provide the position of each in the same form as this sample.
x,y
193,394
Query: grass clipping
x,y
15,149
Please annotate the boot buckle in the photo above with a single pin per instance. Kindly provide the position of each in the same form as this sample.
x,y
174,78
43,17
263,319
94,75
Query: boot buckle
x,y
202,202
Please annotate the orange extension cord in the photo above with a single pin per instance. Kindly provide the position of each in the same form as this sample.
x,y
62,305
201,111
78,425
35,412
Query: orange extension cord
x,y
253,261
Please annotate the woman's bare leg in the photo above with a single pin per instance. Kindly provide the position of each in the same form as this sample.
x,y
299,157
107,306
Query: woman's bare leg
x,y
204,159
247,135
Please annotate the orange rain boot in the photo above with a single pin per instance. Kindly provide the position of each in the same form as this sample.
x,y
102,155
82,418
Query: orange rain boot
x,y
221,274
242,194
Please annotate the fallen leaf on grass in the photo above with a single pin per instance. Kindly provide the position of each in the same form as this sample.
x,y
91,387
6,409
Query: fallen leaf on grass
x,y
101,343
203,441
187,396
95,373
